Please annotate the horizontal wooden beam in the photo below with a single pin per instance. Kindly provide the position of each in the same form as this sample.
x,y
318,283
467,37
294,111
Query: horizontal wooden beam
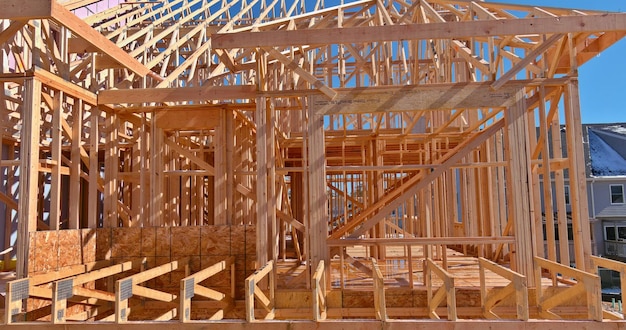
x,y
188,119
184,94
416,98
20,9
58,83
66,18
447,30
331,324
422,240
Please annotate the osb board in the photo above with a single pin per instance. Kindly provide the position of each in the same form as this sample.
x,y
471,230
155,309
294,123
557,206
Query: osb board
x,y
216,240
293,299
89,243
124,242
185,241
103,243
341,324
401,297
70,243
52,250
46,251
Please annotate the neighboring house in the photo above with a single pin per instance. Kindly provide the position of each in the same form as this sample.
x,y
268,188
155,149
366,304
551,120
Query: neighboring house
x,y
605,158
606,182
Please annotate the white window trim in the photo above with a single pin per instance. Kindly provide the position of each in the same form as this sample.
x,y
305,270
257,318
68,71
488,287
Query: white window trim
x,y
611,194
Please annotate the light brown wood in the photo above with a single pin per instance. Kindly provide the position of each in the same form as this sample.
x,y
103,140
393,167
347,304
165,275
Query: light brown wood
x,y
307,137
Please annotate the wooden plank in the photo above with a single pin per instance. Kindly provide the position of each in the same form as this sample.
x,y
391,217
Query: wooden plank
x,y
518,187
196,119
76,166
68,88
416,98
189,155
186,94
295,223
380,307
208,293
427,31
94,169
15,9
318,216
146,292
152,272
29,172
81,29
421,241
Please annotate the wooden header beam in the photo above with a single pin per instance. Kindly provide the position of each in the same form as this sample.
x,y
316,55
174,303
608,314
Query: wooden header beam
x,y
447,30
186,94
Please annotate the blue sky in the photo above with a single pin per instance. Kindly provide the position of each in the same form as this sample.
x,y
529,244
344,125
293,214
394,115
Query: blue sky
x,y
602,87
602,91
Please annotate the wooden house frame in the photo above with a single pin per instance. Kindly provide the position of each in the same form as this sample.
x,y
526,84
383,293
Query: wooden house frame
x,y
304,134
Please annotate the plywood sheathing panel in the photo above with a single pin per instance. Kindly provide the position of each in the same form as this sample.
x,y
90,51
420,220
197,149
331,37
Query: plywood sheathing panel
x,y
185,241
148,242
238,241
103,243
215,240
125,242
70,252
89,240
163,241
47,251
250,242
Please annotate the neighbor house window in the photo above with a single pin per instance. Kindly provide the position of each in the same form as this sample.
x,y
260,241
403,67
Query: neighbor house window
x,y
615,232
609,233
566,194
617,194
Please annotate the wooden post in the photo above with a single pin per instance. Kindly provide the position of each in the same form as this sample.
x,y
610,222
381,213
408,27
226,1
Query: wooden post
x,y
318,218
221,210
55,146
262,230
518,191
577,178
75,168
156,175
111,163
29,172
94,168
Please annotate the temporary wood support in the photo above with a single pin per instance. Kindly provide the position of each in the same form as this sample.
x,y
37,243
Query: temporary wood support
x,y
130,286
380,306
517,287
614,265
65,289
38,286
253,292
447,291
190,286
319,293
585,284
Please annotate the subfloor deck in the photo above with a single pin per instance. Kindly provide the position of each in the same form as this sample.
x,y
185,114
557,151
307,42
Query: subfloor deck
x,y
395,269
